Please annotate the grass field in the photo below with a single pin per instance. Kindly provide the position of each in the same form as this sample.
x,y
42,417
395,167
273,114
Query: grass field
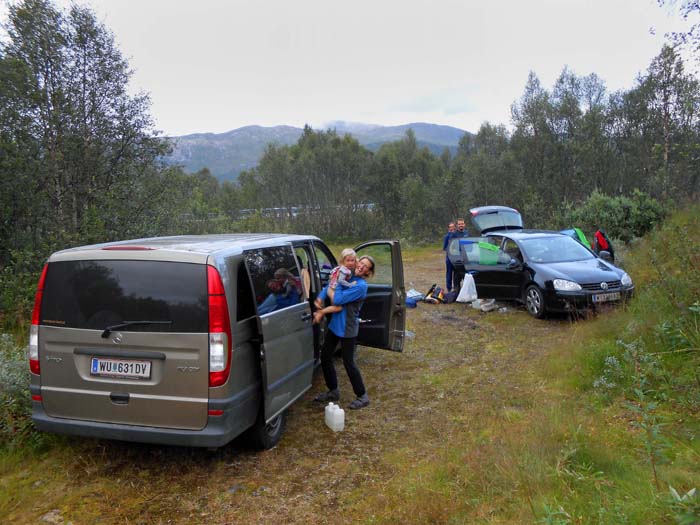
x,y
484,418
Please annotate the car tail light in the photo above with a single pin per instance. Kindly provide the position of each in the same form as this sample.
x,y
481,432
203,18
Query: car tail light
x,y
219,330
34,328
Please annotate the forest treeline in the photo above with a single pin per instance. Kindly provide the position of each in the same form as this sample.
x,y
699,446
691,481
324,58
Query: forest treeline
x,y
81,161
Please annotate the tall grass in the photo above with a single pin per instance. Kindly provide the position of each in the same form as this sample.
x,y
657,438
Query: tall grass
x,y
640,370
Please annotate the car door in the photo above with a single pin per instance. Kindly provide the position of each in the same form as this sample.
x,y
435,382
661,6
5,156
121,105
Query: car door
x,y
511,275
284,323
487,264
383,313
458,254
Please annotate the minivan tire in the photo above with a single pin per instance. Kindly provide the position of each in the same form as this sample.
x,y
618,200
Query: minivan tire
x,y
262,436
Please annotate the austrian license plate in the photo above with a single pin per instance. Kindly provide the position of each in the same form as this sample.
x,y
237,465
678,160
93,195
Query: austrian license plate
x,y
126,368
605,297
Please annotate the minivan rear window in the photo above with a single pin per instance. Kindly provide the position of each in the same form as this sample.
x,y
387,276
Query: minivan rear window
x,y
98,294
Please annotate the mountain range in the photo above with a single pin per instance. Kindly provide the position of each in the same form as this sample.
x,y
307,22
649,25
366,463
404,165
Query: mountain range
x,y
227,154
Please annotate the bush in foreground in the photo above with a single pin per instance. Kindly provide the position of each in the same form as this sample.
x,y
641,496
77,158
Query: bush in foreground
x,y
16,427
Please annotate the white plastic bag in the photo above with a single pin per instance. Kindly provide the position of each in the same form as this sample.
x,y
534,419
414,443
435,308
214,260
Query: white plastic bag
x,y
468,292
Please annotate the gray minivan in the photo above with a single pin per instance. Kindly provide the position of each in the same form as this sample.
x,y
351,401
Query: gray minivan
x,y
191,340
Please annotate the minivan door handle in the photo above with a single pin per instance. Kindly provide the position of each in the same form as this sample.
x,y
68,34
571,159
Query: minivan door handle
x,y
306,317
119,398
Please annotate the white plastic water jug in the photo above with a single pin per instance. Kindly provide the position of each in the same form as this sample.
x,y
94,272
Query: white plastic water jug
x,y
335,417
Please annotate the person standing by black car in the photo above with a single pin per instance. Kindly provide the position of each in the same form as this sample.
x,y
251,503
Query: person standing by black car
x,y
459,233
449,269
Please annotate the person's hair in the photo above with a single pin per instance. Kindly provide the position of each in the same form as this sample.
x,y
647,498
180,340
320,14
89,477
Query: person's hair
x,y
283,273
347,252
460,219
370,259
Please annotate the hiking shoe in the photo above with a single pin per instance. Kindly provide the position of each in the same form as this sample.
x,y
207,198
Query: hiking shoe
x,y
360,402
327,397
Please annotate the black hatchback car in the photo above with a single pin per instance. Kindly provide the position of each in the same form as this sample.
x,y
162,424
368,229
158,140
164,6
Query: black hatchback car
x,y
547,271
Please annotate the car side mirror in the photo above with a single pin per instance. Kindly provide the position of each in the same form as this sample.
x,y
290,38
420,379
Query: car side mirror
x,y
513,264
605,255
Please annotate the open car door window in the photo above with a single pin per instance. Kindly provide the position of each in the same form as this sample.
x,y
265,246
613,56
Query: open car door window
x,y
383,314
487,262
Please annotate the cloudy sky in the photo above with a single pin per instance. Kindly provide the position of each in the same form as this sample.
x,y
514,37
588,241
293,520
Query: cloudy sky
x,y
216,65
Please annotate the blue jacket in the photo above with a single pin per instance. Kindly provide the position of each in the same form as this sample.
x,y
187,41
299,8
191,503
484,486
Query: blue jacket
x,y
346,323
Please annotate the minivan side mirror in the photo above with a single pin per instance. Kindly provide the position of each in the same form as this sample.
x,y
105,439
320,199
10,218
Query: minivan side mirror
x,y
605,255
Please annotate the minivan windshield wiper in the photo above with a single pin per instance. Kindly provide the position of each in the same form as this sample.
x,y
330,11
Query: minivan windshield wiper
x,y
130,323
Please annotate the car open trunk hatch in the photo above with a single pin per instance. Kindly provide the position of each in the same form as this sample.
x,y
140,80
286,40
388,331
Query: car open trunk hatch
x,y
494,218
124,341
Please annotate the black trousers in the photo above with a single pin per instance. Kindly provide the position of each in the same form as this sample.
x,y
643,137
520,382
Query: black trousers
x,y
347,346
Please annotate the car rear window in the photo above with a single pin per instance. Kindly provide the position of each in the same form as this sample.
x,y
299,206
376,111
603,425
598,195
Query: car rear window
x,y
97,294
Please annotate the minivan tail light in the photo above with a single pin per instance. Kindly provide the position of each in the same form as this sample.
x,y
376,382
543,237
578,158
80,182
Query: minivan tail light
x,y
219,330
34,328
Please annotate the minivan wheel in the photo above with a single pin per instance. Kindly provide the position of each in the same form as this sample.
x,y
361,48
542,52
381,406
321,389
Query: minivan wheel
x,y
534,301
263,435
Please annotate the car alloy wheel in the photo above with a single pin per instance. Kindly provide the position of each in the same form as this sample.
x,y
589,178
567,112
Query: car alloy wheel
x,y
534,301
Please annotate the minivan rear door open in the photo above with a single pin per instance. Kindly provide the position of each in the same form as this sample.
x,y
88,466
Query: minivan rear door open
x,y
383,314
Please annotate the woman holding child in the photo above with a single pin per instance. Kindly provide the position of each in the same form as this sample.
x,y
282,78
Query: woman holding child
x,y
346,302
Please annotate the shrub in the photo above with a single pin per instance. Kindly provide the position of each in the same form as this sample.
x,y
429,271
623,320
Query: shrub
x,y
18,282
15,400
623,217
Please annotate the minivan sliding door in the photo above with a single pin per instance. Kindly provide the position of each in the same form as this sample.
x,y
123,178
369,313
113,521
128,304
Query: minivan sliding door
x,y
284,324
